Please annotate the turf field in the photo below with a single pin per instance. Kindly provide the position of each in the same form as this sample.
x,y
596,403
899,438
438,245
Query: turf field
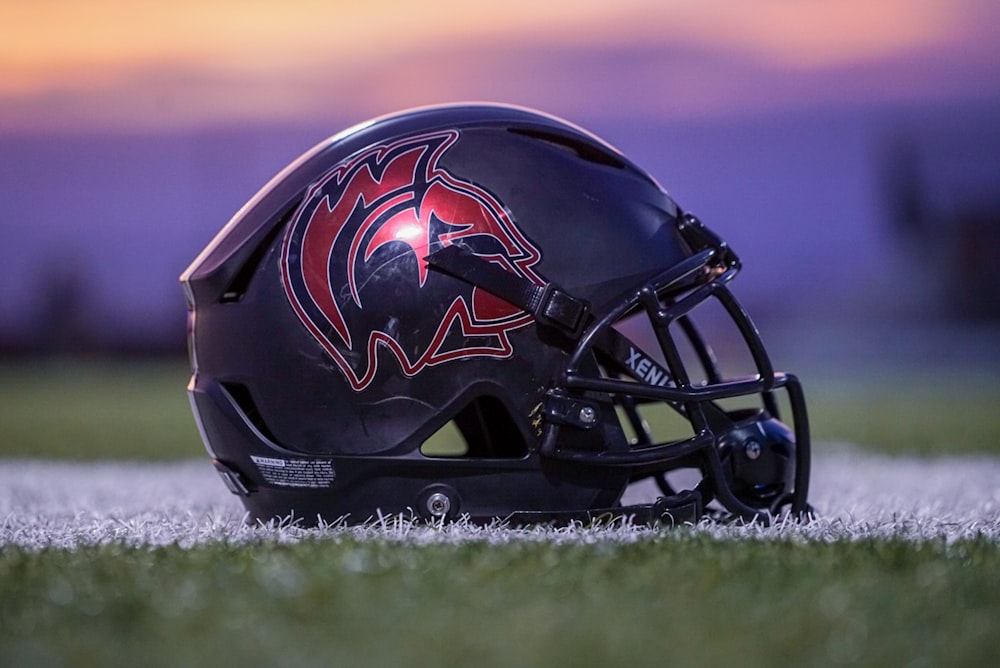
x,y
119,546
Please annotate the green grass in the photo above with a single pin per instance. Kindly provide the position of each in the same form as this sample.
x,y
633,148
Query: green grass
x,y
674,600
139,410
97,410
899,418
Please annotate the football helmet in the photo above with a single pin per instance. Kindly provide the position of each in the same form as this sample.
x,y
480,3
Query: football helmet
x,y
482,311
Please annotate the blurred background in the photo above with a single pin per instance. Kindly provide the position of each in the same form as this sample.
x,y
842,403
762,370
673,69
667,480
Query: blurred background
x,y
848,150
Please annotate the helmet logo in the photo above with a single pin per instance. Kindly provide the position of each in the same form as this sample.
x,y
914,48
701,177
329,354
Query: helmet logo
x,y
353,269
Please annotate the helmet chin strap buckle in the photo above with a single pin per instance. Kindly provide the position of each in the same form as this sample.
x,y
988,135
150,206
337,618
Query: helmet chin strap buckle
x,y
559,308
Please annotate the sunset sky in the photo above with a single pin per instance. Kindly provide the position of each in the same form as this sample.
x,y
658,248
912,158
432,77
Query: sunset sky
x,y
125,65
130,131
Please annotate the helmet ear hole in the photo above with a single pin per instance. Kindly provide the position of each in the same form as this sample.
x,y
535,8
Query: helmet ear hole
x,y
483,428
445,442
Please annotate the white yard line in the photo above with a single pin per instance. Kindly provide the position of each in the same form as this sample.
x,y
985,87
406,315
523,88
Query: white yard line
x,y
857,494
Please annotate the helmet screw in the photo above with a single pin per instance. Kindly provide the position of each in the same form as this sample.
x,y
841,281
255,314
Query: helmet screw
x,y
752,449
438,504
588,415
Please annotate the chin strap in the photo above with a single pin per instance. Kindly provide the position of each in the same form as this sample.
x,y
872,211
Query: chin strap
x,y
683,508
548,303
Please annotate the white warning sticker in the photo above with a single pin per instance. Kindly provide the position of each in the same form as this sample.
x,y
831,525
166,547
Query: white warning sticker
x,y
313,473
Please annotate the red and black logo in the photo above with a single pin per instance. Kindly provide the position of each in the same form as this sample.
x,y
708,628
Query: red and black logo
x,y
353,269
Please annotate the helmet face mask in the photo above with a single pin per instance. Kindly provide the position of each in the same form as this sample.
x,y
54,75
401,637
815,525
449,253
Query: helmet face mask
x,y
494,273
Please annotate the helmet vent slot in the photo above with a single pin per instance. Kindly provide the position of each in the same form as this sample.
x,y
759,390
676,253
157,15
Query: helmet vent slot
x,y
483,429
587,150
241,397
244,274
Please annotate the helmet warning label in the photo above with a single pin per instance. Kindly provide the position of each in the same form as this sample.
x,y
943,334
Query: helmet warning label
x,y
312,473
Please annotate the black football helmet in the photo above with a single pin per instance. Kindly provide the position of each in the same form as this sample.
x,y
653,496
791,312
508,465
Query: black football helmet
x,y
482,311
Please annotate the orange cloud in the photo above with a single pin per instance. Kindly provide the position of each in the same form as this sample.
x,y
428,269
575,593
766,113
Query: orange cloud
x,y
179,62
